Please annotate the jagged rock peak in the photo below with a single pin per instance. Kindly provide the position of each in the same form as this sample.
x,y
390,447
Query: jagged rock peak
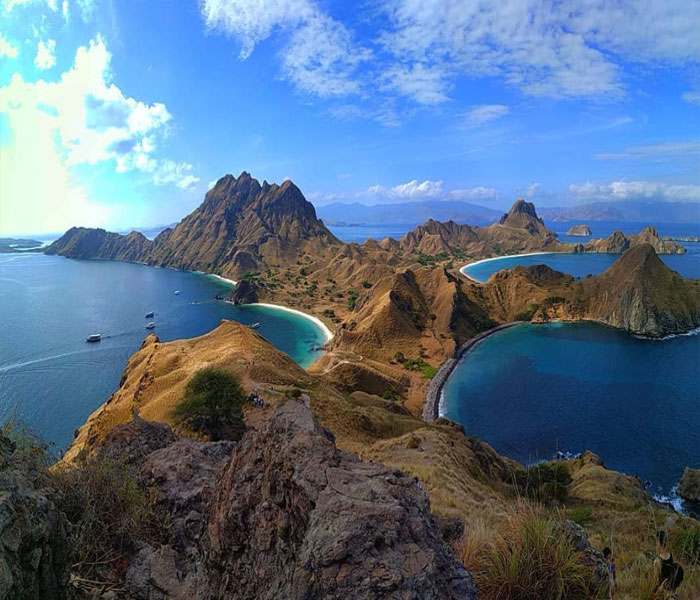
x,y
521,207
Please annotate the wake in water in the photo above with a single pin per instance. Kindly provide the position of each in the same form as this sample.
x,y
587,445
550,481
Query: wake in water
x,y
5,368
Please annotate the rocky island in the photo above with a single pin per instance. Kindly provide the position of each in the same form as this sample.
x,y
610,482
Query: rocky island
x,y
579,230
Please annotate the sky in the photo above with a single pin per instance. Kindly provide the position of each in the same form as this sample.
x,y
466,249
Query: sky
x,y
123,113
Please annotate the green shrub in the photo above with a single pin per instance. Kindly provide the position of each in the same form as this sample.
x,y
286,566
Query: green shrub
x,y
429,371
533,560
544,482
526,315
554,300
352,299
581,514
391,395
212,395
366,284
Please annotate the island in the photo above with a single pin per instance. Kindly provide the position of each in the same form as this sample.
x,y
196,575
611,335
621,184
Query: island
x,y
8,245
579,231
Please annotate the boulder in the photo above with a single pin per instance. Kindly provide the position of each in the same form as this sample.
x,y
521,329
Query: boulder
x,y
245,292
131,442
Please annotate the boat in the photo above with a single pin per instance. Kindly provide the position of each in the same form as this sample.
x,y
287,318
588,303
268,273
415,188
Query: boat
x,y
151,325
149,314
255,325
177,292
94,337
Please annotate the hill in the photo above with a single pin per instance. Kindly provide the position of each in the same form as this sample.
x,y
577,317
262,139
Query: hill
x,y
633,211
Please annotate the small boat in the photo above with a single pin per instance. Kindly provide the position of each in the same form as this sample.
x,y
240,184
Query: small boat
x,y
149,314
151,325
255,325
94,337
177,292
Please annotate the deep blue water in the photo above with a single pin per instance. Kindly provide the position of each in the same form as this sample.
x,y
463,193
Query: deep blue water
x,y
51,379
580,265
599,229
535,389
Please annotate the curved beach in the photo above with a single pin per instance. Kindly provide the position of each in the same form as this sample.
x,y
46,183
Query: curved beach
x,y
463,269
327,333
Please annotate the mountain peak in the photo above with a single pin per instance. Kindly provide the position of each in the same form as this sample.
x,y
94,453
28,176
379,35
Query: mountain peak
x,y
522,215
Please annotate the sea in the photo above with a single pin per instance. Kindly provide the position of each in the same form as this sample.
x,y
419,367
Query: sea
x,y
51,379
534,390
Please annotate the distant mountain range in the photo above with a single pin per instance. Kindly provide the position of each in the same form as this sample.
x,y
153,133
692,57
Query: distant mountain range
x,y
636,211
407,212
473,214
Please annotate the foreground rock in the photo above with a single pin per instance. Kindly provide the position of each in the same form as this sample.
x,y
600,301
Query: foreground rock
x,y
285,514
34,553
294,517
689,487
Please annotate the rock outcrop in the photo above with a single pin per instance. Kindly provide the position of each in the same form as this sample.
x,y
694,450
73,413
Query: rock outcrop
x,y
689,486
579,230
294,517
285,514
617,243
522,215
35,555
82,242
245,292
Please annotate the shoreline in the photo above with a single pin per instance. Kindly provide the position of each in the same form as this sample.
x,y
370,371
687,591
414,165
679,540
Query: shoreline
x,y
464,268
433,403
325,330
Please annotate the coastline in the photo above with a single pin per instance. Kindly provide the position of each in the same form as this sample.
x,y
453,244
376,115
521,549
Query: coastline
x,y
327,333
463,268
432,406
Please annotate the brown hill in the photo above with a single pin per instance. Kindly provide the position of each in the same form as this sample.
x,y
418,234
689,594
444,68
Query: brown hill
x,y
641,294
618,242
82,242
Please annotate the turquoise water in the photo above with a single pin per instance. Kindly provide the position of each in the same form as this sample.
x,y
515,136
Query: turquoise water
x,y
51,379
580,265
535,389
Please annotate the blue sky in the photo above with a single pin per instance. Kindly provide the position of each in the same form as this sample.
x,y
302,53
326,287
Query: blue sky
x,y
122,113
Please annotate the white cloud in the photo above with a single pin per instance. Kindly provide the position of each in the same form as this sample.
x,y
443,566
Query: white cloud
x,y
45,54
475,193
661,152
64,10
83,118
413,190
426,85
7,49
691,97
483,113
630,190
320,57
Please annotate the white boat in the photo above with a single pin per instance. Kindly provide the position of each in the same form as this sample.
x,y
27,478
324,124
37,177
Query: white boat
x,y
177,292
94,337
151,325
149,314
255,325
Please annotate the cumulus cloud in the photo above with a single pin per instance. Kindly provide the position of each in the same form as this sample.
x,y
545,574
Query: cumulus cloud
x,y
45,54
475,193
483,113
411,190
7,49
83,118
631,190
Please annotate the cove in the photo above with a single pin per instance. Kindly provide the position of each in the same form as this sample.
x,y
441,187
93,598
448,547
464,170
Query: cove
x,y
51,379
579,265
533,390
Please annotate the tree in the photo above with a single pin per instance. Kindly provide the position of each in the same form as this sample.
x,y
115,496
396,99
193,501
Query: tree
x,y
213,394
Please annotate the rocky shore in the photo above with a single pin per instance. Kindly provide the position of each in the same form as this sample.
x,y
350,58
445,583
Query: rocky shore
x,y
431,407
